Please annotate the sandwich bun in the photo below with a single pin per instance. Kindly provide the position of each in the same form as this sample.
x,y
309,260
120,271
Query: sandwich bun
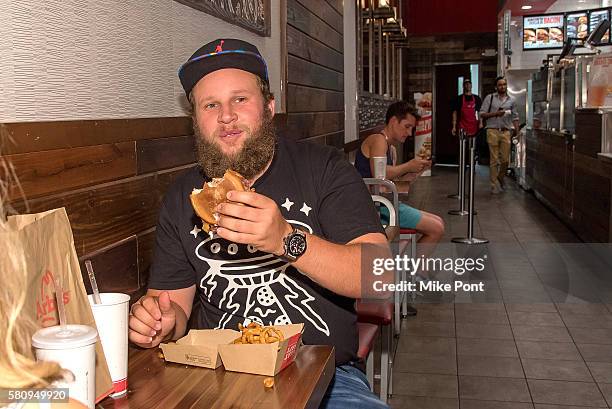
x,y
213,193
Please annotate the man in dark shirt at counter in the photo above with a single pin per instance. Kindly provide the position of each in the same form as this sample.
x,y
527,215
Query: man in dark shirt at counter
x,y
289,251
499,111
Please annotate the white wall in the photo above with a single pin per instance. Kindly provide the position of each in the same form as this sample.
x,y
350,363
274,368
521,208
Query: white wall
x,y
87,59
533,59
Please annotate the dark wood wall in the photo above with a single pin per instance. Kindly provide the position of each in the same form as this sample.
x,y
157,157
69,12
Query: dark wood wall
x,y
426,51
111,175
315,100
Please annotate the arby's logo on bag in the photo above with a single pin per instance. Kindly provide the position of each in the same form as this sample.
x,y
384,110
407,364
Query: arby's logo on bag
x,y
46,314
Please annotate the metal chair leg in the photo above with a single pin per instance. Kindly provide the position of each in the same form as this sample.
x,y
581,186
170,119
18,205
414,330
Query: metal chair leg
x,y
397,296
370,369
384,362
413,251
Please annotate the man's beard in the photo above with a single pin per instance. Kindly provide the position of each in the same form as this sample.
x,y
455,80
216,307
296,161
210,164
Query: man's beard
x,y
255,154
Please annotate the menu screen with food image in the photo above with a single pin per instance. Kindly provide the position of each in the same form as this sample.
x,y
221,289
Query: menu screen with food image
x,y
543,32
595,17
576,26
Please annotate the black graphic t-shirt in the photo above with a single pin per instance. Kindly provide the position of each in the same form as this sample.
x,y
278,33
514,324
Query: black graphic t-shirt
x,y
316,190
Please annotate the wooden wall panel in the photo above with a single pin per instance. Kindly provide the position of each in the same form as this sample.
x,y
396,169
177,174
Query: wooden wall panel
x,y
58,170
336,4
303,72
115,267
300,126
315,72
306,99
310,24
310,49
325,12
106,214
165,153
146,246
26,137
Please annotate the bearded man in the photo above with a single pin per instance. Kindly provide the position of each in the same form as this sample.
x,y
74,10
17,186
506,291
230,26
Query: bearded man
x,y
245,270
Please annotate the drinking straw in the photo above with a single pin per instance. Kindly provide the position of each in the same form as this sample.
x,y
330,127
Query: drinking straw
x,y
59,299
94,284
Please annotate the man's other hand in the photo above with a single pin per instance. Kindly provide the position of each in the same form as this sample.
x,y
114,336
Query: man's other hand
x,y
152,319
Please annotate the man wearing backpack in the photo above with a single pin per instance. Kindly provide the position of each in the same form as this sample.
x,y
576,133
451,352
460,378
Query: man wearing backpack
x,y
499,111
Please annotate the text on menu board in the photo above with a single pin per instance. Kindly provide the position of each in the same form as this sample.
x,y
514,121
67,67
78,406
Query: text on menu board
x,y
544,21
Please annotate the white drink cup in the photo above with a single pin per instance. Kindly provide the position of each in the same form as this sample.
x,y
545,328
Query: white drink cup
x,y
75,350
112,321
380,166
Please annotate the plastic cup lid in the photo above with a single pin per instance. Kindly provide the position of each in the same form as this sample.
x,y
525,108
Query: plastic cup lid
x,y
75,336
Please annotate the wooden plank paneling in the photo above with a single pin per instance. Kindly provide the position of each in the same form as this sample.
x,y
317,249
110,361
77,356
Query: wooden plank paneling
x,y
302,19
58,170
312,50
306,125
319,140
146,245
325,12
337,5
23,137
335,139
115,267
305,99
108,213
165,153
302,72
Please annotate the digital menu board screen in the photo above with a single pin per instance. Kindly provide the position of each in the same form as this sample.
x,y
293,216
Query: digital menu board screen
x,y
595,17
540,32
576,26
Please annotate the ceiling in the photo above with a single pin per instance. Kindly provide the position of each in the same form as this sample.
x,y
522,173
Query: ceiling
x,y
537,6
427,17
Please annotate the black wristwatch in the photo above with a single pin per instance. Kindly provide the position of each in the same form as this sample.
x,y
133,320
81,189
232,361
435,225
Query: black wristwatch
x,y
294,244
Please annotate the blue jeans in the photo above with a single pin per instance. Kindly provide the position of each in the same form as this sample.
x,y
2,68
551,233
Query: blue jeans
x,y
349,389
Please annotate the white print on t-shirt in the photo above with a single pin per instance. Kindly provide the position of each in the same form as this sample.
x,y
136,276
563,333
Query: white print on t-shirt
x,y
254,279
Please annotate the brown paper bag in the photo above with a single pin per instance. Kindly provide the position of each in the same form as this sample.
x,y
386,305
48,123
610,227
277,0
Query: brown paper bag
x,y
49,250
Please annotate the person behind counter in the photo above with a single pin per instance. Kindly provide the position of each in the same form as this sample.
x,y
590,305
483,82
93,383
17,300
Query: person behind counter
x,y
303,186
400,119
499,111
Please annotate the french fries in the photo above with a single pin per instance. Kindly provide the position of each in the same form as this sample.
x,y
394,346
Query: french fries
x,y
257,334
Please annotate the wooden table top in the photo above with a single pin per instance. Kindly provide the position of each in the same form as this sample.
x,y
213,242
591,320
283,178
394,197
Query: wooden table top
x,y
154,383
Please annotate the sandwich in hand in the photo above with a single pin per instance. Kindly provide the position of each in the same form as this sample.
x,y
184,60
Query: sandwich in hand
x,y
213,193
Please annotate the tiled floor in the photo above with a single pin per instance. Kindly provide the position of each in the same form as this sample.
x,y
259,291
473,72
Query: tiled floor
x,y
541,335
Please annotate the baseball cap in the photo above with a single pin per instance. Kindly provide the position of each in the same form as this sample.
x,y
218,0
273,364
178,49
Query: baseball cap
x,y
220,54
465,81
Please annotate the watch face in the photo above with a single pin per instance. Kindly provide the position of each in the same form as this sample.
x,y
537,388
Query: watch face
x,y
297,245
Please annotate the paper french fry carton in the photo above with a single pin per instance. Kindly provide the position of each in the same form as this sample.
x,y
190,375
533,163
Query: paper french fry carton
x,y
263,359
199,347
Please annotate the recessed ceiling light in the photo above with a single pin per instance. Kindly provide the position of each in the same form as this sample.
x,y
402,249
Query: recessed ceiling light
x,y
525,7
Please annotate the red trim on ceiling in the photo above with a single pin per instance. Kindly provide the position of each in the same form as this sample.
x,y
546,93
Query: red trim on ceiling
x,y
426,17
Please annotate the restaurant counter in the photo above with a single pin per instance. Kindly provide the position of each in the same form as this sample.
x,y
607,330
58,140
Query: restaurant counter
x,y
569,175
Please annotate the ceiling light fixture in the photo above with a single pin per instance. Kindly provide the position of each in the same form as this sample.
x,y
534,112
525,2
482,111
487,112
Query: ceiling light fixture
x,y
526,7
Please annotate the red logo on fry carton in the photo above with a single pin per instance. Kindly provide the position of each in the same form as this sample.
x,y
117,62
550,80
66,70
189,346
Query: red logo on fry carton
x,y
291,352
45,301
